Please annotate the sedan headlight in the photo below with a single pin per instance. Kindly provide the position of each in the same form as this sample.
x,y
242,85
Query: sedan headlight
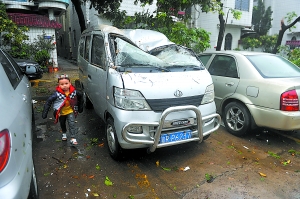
x,y
209,95
130,99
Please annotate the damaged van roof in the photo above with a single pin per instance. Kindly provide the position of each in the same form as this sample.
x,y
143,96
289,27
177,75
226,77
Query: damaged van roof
x,y
144,39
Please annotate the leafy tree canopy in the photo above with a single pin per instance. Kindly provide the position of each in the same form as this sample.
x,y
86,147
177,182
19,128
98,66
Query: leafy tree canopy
x,y
261,18
10,32
265,42
161,20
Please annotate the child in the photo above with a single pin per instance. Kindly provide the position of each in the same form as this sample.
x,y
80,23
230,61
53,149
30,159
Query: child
x,y
67,102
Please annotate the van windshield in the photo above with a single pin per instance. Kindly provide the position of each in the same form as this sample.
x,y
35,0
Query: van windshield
x,y
177,56
128,55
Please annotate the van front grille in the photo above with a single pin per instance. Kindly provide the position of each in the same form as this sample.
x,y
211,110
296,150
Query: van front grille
x,y
159,105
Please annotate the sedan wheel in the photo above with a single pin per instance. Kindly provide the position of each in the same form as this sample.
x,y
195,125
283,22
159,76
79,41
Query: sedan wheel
x,y
236,118
114,147
34,192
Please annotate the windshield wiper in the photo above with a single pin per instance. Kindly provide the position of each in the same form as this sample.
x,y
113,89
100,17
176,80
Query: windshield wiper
x,y
194,67
124,67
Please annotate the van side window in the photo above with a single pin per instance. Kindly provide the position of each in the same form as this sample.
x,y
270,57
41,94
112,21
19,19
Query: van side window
x,y
81,46
98,51
87,47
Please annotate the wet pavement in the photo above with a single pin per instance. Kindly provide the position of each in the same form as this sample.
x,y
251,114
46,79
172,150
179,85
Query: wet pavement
x,y
260,165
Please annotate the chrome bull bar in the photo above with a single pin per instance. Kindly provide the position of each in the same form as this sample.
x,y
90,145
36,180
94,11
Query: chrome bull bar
x,y
155,142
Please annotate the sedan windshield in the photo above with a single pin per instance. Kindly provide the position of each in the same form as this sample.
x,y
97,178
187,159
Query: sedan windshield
x,y
272,66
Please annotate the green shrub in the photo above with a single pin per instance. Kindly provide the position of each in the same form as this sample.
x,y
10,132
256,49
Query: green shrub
x,y
42,57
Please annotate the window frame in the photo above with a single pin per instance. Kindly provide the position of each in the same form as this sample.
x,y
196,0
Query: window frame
x,y
103,56
12,70
239,5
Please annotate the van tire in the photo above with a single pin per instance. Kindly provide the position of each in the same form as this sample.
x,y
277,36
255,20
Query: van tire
x,y
113,145
237,119
87,102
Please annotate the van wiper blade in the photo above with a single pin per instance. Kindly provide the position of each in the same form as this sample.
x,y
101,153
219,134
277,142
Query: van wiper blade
x,y
124,67
161,69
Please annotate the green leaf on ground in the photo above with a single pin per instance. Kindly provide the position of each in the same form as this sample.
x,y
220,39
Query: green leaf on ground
x,y
108,182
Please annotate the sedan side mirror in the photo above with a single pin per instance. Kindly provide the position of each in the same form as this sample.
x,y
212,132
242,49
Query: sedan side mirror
x,y
30,70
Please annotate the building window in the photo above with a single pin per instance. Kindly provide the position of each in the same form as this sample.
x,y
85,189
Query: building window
x,y
228,41
242,5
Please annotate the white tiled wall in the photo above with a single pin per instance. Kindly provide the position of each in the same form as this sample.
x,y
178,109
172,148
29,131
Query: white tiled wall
x,y
34,32
210,23
280,10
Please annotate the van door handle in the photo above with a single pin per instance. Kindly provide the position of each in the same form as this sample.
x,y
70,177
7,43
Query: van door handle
x,y
229,84
89,76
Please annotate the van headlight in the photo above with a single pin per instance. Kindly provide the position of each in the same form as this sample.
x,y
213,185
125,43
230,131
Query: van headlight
x,y
130,100
209,95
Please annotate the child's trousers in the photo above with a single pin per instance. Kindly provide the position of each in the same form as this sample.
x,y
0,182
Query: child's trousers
x,y
70,118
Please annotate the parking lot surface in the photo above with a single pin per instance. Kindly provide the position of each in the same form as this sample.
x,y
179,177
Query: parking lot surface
x,y
263,164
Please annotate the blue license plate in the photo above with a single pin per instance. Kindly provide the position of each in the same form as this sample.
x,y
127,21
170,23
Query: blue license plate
x,y
177,136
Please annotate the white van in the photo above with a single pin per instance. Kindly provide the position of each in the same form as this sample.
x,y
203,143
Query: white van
x,y
150,92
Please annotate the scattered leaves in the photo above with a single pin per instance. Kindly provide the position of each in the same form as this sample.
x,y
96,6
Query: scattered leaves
x,y
108,182
91,176
209,178
274,155
262,174
294,152
94,141
157,163
95,194
101,145
286,162
166,169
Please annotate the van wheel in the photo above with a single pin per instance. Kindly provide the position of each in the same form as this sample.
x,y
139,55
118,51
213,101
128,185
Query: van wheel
x,y
236,119
34,191
206,137
87,102
114,147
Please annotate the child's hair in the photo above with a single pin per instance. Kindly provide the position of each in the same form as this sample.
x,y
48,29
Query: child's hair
x,y
63,76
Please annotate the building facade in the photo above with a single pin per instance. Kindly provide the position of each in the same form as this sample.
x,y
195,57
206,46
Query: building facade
x,y
280,10
39,16
68,36
234,29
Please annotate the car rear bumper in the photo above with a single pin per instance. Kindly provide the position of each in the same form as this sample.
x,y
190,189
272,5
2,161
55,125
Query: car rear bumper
x,y
275,119
18,187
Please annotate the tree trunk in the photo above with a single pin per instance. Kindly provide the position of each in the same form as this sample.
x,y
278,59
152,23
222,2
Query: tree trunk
x,y
221,32
77,5
281,33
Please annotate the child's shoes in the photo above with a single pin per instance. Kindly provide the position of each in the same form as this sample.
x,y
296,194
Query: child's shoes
x,y
64,137
73,141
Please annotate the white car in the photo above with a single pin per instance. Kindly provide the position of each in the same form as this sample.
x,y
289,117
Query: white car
x,y
150,92
17,175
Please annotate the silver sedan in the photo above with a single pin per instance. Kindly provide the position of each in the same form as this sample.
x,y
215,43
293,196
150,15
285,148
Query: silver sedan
x,y
17,174
254,89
